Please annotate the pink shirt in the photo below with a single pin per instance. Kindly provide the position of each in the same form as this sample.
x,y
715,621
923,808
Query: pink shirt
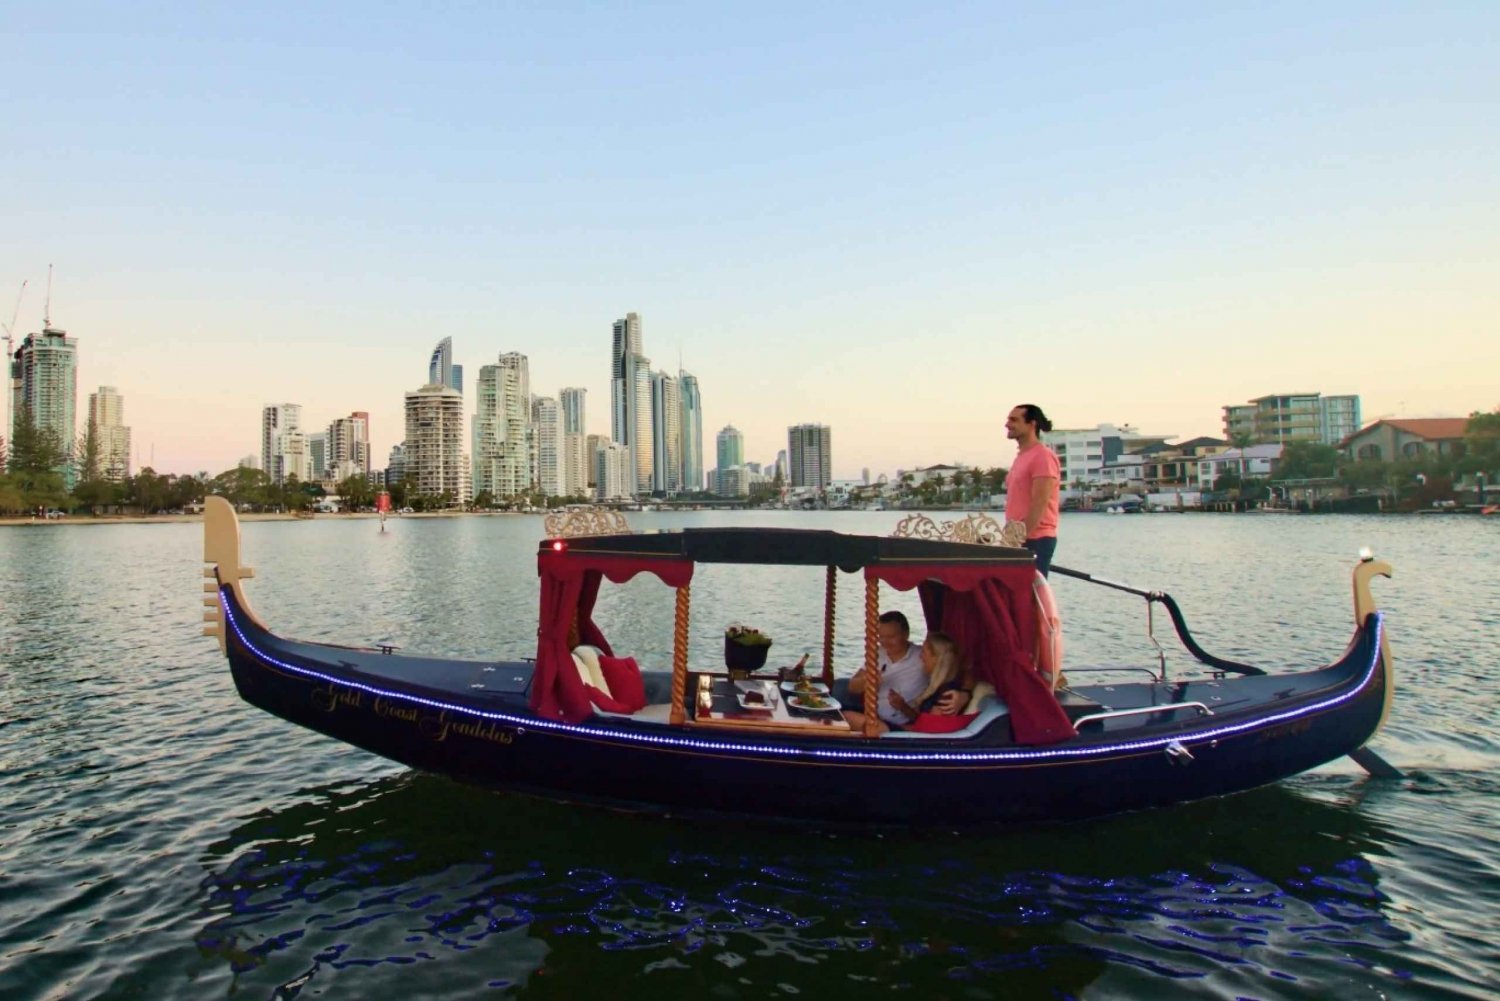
x,y
1032,463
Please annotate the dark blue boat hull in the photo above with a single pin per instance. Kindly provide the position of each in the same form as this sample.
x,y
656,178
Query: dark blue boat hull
x,y
469,720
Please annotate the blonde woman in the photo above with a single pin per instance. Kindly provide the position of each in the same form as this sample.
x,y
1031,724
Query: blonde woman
x,y
945,671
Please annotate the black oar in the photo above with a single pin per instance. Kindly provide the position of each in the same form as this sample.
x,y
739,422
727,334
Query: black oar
x,y
1373,763
1178,622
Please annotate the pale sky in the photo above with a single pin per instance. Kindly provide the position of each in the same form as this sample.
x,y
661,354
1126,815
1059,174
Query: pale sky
x,y
894,220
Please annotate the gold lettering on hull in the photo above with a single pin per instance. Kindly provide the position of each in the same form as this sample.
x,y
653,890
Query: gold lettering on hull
x,y
330,696
435,726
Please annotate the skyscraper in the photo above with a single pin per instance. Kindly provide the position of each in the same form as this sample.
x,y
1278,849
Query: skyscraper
x,y
293,457
440,369
573,400
666,435
280,423
395,465
810,449
592,445
614,473
630,399
625,345
643,458
729,477
348,446
546,420
44,383
731,447
434,441
691,427
317,455
107,415
575,474
502,428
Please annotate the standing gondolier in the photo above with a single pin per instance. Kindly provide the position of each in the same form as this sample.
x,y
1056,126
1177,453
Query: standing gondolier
x,y
1031,486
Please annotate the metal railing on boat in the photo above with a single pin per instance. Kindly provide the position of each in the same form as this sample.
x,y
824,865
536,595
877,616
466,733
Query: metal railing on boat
x,y
1141,711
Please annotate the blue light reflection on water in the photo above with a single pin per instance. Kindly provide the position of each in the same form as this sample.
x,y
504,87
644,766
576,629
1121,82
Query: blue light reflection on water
x,y
158,835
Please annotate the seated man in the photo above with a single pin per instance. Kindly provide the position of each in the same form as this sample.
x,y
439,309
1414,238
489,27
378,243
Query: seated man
x,y
900,672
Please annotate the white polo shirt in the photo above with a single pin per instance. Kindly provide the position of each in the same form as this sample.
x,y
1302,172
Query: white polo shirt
x,y
905,677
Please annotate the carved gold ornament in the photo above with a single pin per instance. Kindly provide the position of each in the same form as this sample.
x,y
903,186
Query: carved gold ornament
x,y
572,522
976,529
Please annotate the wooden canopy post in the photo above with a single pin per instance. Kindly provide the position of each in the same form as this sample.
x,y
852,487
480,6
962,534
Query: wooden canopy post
x,y
678,715
829,593
871,668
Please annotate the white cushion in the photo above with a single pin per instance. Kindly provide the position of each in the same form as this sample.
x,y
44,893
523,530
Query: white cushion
x,y
659,712
588,656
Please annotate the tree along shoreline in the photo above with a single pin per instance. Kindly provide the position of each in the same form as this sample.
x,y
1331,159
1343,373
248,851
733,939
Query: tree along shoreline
x,y
43,473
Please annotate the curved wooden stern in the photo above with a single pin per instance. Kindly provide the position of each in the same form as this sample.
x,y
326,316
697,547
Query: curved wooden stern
x,y
221,554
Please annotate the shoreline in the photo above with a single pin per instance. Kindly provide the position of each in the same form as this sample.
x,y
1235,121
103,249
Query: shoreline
x,y
171,519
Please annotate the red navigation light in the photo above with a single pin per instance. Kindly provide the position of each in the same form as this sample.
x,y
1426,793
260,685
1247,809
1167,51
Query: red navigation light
x,y
558,545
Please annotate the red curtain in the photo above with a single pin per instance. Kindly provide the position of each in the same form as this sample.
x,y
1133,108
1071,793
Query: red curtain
x,y
989,616
985,624
557,692
570,587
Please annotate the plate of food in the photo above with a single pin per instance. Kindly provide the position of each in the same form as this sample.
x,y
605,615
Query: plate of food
x,y
753,699
812,701
804,687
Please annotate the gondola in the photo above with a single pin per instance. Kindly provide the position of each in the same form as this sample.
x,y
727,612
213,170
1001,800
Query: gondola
x,y
689,739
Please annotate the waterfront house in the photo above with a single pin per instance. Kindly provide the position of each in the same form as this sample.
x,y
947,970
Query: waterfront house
x,y
1407,438
1161,468
1255,460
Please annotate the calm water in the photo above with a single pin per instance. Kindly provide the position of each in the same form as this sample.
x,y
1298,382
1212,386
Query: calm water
x,y
160,839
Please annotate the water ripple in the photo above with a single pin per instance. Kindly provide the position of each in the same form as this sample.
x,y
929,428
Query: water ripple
x,y
160,837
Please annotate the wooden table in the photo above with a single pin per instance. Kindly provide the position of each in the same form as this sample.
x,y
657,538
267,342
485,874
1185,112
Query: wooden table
x,y
712,703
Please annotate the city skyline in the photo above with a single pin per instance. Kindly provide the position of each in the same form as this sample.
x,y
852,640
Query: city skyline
x,y
898,225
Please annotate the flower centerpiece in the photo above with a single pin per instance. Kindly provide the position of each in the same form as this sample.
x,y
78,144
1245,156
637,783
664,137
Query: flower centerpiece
x,y
745,648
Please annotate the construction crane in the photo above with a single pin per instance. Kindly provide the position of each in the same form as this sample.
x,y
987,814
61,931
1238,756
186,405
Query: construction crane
x,y
10,350
13,314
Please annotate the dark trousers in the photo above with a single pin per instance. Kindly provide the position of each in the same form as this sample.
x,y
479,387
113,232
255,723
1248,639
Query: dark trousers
x,y
1042,549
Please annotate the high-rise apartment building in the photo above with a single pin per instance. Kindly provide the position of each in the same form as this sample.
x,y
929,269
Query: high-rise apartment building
x,y
691,422
730,447
434,442
593,444
395,465
440,369
546,421
666,435
810,456
348,446
729,477
624,345
575,473
280,422
502,428
317,455
614,472
573,400
1288,417
293,461
44,383
642,454
107,417
630,399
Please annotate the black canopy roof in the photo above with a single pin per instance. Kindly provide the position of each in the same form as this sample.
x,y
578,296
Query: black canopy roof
x,y
787,546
